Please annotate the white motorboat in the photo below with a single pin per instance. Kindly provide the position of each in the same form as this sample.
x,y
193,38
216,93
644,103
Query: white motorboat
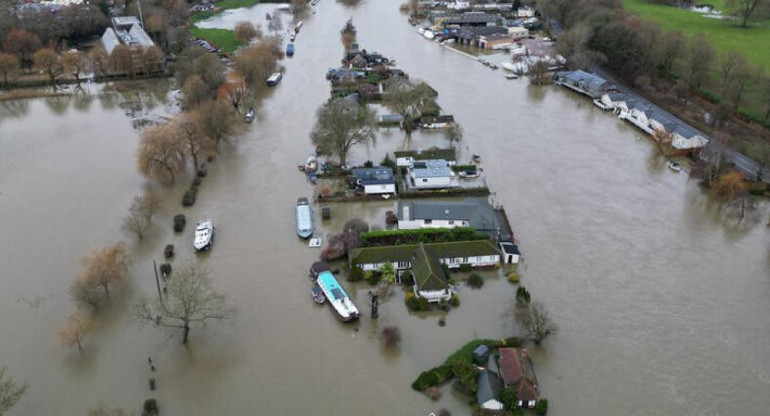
x,y
204,235
676,167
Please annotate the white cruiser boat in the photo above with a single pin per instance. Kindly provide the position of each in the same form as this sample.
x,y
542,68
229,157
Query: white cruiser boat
x,y
204,235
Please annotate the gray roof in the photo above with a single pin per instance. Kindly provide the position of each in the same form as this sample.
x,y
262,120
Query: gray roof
x,y
109,40
489,388
437,119
469,18
446,154
593,84
125,21
432,172
373,176
475,32
477,211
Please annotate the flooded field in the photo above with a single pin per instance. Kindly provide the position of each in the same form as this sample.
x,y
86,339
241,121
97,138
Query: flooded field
x,y
662,299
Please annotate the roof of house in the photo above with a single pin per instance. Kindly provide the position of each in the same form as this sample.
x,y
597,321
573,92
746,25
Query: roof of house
x,y
125,21
427,271
489,386
477,211
510,248
440,172
374,175
446,154
516,370
110,40
590,82
448,118
375,255
469,18
499,36
475,32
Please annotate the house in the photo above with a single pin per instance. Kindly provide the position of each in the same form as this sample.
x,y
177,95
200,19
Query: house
x,y
375,180
481,355
583,82
469,212
489,388
126,30
431,174
430,281
459,5
518,32
405,157
472,36
469,19
436,122
510,252
478,253
342,74
517,371
525,11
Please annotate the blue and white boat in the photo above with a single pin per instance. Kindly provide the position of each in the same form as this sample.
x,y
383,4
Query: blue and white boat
x,y
304,218
336,296
290,49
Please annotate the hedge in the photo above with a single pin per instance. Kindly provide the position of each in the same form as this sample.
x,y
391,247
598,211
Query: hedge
x,y
422,235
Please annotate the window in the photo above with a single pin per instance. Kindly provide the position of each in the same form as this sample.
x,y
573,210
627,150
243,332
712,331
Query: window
x,y
451,222
465,260
427,221
424,181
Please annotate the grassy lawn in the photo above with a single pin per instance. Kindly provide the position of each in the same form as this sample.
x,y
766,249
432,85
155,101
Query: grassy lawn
x,y
223,38
725,36
224,5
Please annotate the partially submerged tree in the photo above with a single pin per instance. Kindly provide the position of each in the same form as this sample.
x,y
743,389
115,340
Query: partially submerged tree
x,y
161,154
23,44
536,321
48,61
106,267
188,299
140,215
453,134
342,124
100,61
196,61
214,118
85,295
194,91
10,392
729,186
74,63
9,67
74,330
245,31
259,60
191,135
406,98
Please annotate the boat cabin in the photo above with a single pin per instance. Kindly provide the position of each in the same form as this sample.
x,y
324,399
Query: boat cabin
x,y
274,79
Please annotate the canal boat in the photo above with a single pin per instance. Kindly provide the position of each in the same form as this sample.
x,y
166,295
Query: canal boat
x,y
204,235
250,115
290,49
676,167
298,27
274,79
304,218
341,304
318,295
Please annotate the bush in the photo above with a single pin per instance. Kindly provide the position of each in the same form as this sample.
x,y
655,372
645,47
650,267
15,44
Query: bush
x,y
513,277
368,164
508,397
475,281
390,336
454,300
465,267
426,379
357,225
165,269
522,295
179,222
150,407
541,407
388,162
372,277
168,252
415,303
390,218
356,274
423,303
189,198
197,181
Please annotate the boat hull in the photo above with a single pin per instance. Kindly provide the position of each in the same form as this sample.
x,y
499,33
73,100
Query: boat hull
x,y
304,218
340,302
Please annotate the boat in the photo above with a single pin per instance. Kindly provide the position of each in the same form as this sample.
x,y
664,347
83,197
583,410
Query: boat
x,y
293,36
250,115
493,66
298,27
290,49
274,79
469,173
676,167
511,76
204,235
476,158
304,218
429,35
318,295
508,66
421,30
341,304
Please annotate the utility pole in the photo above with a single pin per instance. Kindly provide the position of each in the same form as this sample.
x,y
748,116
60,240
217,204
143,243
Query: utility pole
x,y
157,282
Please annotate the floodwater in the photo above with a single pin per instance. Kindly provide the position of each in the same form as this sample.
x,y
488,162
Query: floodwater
x,y
662,297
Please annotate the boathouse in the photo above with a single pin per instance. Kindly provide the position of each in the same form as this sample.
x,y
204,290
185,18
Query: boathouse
x,y
583,82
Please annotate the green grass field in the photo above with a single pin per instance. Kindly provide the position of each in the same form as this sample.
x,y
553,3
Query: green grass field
x,y
224,5
223,38
725,36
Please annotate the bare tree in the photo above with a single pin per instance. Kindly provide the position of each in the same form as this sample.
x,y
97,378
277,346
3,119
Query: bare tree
x,y
535,320
260,60
160,155
298,8
152,59
342,124
106,267
573,44
9,67
140,215
538,72
671,49
85,295
699,60
99,60
406,98
189,299
453,134
192,137
196,61
10,392
245,31
74,330
194,91
729,186
214,121
74,63
120,61
275,24
744,8
23,44
47,60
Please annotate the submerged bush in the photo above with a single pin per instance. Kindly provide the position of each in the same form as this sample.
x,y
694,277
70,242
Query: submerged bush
x,y
475,281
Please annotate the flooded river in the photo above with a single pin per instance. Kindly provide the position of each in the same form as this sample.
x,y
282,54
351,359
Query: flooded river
x,y
661,299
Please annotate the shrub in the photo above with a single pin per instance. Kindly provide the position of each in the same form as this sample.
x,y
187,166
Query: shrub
x,y
168,252
356,274
202,172
522,295
465,267
368,164
475,281
197,181
407,278
390,218
454,300
445,269
372,277
426,379
357,225
466,375
388,162
189,198
150,407
423,303
508,397
179,222
541,407
165,269
513,277
390,336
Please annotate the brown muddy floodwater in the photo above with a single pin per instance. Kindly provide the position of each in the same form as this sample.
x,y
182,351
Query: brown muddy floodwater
x,y
662,299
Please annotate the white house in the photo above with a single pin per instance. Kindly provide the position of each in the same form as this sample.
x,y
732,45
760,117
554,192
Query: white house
x,y
525,11
459,5
375,180
518,32
479,253
469,212
510,252
431,174
404,158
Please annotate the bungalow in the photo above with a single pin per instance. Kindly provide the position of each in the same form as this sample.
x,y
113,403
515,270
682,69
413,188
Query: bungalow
x,y
518,32
405,157
430,281
469,212
479,253
436,122
517,371
583,82
431,174
489,388
375,180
